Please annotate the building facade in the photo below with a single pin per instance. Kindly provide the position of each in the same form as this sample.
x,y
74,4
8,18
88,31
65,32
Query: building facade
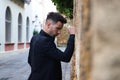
x,y
17,22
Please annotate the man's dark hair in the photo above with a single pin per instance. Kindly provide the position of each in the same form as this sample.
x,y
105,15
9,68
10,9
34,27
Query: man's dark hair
x,y
55,16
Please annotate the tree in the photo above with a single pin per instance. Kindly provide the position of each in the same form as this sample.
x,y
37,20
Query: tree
x,y
65,7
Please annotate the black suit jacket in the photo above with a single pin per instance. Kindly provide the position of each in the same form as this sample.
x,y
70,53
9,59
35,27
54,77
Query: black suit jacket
x,y
45,58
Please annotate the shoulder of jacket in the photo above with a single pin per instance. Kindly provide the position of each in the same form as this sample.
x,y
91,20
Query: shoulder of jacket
x,y
41,38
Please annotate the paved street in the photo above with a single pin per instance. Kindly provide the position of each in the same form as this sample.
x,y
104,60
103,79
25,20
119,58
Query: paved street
x,y
13,66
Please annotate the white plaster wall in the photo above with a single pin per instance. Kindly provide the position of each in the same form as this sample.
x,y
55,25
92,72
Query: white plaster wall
x,y
28,13
15,10
42,8
48,7
2,24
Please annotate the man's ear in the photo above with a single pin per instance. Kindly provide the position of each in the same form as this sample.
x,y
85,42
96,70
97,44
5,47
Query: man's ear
x,y
48,23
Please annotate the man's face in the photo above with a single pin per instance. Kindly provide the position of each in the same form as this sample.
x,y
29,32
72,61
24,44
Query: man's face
x,y
55,29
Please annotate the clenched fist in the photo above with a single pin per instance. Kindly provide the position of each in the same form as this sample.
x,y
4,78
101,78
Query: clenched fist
x,y
71,29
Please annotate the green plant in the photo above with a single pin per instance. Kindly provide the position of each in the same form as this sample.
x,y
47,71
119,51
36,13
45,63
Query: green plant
x,y
65,7
35,32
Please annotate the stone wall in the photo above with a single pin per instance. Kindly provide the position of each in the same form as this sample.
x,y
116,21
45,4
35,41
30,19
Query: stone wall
x,y
105,21
85,53
77,22
99,41
63,37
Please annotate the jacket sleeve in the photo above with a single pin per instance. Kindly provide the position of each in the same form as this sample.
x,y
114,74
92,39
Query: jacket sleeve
x,y
31,50
52,51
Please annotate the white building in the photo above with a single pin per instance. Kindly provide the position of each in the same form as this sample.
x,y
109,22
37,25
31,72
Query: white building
x,y
17,21
40,9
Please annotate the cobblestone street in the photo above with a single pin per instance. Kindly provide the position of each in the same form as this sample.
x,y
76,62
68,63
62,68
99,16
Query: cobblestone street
x,y
14,66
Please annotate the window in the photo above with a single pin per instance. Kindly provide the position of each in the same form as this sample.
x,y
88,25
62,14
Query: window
x,y
8,25
19,27
27,29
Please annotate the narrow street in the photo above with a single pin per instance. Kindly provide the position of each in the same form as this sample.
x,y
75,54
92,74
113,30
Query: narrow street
x,y
14,66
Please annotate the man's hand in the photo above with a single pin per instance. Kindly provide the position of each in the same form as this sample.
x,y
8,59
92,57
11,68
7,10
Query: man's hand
x,y
71,30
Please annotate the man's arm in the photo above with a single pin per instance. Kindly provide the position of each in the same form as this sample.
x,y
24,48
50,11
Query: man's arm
x,y
52,51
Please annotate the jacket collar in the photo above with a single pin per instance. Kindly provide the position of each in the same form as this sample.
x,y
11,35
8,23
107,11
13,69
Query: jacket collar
x,y
46,35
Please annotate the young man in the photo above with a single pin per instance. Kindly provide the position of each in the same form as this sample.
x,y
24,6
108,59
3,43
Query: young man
x,y
44,57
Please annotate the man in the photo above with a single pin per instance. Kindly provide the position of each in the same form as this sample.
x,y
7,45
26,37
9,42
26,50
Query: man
x,y
44,57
